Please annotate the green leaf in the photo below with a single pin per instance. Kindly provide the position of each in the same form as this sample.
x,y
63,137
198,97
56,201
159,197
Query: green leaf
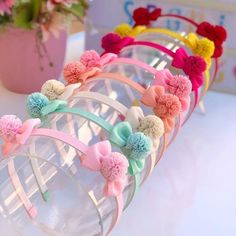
x,y
77,9
22,16
36,6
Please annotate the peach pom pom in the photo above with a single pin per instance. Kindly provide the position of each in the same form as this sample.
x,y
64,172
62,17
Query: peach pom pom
x,y
90,59
9,126
114,167
73,71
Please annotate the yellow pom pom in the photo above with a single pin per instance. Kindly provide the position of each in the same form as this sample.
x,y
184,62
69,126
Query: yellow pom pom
x,y
204,48
123,30
137,30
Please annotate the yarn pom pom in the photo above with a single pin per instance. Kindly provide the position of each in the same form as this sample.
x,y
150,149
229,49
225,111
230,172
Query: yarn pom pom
x,y
90,59
204,48
52,89
114,167
123,30
180,86
73,71
152,126
194,65
138,146
9,126
168,106
35,103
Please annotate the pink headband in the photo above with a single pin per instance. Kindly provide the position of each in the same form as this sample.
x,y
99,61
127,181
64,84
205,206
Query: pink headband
x,y
215,33
193,66
113,166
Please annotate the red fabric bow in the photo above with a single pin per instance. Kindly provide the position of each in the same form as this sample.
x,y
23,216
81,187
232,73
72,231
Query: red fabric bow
x,y
193,66
165,106
215,33
142,15
113,43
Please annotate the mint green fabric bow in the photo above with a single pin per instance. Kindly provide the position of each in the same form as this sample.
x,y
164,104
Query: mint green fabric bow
x,y
135,146
53,106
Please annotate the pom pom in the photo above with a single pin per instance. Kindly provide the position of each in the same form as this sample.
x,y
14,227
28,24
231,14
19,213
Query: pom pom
x,y
204,48
113,43
90,59
138,146
152,126
137,30
52,89
114,167
9,126
73,71
180,86
168,106
123,30
194,65
35,103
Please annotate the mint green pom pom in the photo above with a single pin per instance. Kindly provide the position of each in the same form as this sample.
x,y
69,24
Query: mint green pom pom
x,y
35,103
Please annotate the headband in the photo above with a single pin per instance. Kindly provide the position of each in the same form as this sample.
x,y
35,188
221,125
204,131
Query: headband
x,y
98,157
135,145
200,47
160,98
215,33
152,126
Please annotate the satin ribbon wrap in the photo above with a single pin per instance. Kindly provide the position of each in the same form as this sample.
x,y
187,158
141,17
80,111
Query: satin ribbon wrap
x,y
165,106
135,146
112,165
193,66
21,137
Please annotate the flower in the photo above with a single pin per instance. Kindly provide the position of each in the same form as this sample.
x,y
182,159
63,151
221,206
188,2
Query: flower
x,y
9,126
142,15
215,33
113,43
114,167
51,4
5,6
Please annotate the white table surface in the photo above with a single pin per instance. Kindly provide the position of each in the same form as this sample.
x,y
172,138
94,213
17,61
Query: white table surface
x,y
192,191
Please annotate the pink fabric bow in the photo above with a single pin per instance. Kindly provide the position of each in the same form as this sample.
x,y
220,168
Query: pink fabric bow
x,y
165,106
89,65
112,165
113,43
22,135
193,66
178,85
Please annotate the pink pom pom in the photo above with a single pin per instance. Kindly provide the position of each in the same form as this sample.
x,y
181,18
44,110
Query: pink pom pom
x,y
73,71
90,59
9,126
168,106
180,86
114,167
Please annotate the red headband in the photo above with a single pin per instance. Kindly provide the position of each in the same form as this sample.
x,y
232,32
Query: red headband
x,y
215,33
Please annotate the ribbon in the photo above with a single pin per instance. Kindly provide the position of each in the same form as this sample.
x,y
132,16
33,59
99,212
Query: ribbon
x,y
53,106
113,166
193,66
21,136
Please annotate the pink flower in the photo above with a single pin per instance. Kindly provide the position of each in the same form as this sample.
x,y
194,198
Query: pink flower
x,y
91,59
5,6
52,3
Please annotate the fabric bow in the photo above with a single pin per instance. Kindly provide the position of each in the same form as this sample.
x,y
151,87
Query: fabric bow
x,y
53,106
124,30
89,65
113,43
177,85
112,165
165,106
143,16
135,146
215,33
193,66
21,136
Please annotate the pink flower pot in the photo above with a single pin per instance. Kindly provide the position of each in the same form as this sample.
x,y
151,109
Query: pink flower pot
x,y
20,67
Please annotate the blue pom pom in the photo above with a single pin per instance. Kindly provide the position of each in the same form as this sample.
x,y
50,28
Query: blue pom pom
x,y
35,103
138,146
